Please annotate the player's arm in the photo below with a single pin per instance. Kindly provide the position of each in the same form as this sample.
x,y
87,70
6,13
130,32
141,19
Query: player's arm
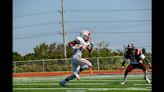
x,y
123,63
122,66
150,65
75,44
126,58
71,44
90,47
147,61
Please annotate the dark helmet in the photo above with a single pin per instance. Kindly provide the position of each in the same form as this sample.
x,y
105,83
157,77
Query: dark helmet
x,y
130,46
131,49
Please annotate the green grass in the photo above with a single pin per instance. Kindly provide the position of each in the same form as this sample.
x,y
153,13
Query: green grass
x,y
96,83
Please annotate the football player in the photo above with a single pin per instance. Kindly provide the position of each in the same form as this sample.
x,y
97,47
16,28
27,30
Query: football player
x,y
83,42
136,57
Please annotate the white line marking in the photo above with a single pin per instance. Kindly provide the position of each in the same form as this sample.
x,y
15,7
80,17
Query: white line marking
x,y
83,77
81,89
111,80
72,80
68,84
142,84
149,87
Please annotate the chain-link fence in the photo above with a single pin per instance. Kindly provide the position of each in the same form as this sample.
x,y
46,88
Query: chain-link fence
x,y
50,65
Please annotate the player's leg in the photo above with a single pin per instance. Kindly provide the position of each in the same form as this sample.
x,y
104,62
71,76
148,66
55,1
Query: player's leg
x,y
80,64
146,77
79,69
63,82
85,65
129,68
75,69
142,66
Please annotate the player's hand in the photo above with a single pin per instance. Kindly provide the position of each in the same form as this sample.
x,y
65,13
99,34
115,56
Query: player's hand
x,y
81,47
89,48
122,68
90,42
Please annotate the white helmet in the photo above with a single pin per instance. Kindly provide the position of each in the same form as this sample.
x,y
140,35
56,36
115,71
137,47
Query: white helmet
x,y
85,34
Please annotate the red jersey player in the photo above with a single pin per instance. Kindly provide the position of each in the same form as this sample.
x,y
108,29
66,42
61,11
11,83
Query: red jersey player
x,y
135,56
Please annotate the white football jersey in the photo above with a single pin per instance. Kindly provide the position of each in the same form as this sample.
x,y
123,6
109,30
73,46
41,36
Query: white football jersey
x,y
79,47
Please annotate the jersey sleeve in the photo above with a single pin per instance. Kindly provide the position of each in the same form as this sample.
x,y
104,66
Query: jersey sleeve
x,y
81,41
126,55
77,41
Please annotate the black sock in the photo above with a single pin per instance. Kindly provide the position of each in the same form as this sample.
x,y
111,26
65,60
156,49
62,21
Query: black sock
x,y
67,79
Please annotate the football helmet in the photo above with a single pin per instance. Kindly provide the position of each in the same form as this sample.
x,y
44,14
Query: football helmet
x,y
85,34
130,46
131,49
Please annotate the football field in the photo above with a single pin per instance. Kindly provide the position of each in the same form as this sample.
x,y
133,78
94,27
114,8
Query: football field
x,y
94,83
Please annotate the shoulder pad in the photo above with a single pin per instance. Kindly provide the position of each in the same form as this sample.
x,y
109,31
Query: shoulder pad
x,y
79,40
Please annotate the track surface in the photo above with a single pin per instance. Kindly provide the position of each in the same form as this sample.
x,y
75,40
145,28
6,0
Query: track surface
x,y
65,73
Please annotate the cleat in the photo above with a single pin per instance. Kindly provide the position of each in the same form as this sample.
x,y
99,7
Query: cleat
x,y
123,83
62,83
77,76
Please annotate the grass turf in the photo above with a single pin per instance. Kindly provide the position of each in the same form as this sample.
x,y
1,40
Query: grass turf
x,y
95,83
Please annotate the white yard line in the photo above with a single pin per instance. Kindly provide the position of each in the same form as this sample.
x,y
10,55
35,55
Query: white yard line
x,y
29,81
110,80
80,89
142,84
148,87
68,84
82,77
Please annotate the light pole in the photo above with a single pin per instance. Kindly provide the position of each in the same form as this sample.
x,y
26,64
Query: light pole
x,y
64,34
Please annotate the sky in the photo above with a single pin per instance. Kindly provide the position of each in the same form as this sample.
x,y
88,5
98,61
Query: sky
x,y
116,22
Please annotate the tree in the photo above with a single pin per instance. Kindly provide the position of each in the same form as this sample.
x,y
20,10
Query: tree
x,y
118,53
51,50
144,51
17,56
30,56
103,49
102,44
41,51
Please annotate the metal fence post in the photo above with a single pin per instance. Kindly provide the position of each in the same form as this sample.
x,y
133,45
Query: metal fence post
x,y
15,67
98,66
43,64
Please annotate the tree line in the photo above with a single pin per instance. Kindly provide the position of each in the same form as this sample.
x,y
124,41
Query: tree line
x,y
55,51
